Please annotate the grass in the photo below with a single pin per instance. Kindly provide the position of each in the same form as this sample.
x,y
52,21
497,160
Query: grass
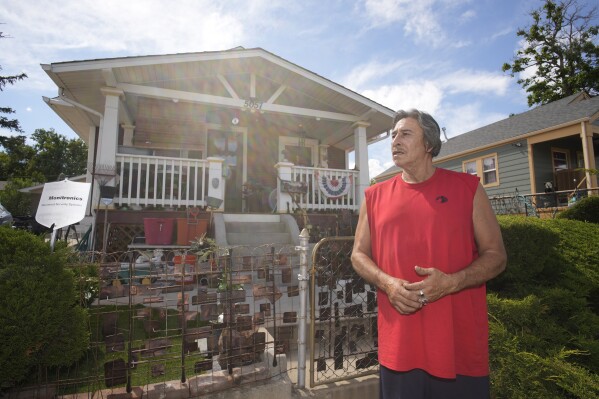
x,y
88,374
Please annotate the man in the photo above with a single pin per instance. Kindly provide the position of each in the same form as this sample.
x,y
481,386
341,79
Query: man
x,y
428,240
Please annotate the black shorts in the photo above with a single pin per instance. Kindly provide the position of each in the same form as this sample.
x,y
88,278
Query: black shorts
x,y
418,384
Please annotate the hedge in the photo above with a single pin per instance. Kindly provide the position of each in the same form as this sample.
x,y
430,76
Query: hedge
x,y
543,311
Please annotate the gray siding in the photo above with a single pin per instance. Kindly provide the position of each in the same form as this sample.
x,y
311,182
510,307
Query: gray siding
x,y
512,163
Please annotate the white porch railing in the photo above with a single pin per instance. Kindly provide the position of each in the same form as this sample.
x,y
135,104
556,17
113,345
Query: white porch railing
x,y
315,198
161,181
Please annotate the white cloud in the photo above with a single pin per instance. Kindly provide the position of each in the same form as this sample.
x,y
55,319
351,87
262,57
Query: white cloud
x,y
472,81
425,96
419,18
503,32
364,74
459,119
112,28
423,19
28,109
467,16
375,167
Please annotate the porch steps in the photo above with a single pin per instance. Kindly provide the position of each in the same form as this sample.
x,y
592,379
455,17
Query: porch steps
x,y
255,229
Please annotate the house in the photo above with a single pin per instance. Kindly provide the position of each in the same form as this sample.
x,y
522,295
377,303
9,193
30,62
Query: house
x,y
237,131
548,144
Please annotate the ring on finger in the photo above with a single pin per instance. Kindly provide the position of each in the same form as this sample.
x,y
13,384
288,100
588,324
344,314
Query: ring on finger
x,y
421,293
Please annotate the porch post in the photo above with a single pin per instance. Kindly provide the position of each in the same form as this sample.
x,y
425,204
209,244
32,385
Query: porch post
x,y
361,156
216,184
91,149
284,200
323,156
109,133
588,153
128,134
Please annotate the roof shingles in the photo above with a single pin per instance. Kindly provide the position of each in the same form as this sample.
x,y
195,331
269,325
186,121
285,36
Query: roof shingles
x,y
567,110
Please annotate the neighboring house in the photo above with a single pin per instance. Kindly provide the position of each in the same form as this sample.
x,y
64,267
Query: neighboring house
x,y
195,129
35,192
526,151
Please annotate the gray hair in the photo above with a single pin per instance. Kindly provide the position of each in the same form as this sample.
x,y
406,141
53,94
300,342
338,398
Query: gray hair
x,y
430,127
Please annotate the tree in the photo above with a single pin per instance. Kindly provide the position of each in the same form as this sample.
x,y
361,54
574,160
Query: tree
x,y
560,49
5,122
42,324
18,203
55,154
15,159
51,154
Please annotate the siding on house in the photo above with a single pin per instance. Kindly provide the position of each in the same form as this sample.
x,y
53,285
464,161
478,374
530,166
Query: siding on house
x,y
512,164
547,124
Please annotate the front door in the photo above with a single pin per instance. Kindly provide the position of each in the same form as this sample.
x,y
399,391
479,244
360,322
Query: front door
x,y
229,146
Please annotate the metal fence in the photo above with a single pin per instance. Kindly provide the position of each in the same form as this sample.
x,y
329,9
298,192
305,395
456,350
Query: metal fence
x,y
159,316
538,205
343,316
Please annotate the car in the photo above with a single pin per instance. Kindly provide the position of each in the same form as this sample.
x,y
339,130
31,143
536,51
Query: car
x,y
5,217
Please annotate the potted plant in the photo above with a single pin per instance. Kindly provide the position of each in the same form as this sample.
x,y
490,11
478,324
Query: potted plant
x,y
208,251
205,247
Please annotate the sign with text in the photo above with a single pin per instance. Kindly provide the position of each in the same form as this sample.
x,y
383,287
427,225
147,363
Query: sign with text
x,y
63,203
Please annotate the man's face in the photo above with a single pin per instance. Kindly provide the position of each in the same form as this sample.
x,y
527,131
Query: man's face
x,y
407,143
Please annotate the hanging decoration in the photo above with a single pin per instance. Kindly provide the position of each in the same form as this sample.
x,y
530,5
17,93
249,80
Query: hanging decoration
x,y
334,188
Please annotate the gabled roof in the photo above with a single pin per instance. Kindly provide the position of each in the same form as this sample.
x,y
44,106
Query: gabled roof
x,y
204,83
572,109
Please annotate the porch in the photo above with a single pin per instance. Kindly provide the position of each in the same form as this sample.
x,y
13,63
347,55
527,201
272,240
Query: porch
x,y
155,182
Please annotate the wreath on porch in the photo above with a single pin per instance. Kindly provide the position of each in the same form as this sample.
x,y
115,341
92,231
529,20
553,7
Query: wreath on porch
x,y
332,187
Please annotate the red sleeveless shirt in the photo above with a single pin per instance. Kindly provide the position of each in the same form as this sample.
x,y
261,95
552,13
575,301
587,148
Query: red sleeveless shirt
x,y
429,224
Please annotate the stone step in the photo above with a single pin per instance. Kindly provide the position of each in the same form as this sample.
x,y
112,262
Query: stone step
x,y
258,239
256,227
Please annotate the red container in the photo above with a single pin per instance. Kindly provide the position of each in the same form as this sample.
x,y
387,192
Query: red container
x,y
159,231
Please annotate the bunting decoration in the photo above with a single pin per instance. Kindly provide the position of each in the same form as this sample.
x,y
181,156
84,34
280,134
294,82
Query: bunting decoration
x,y
334,188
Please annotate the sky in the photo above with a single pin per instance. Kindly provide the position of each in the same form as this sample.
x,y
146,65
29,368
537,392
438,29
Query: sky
x,y
440,56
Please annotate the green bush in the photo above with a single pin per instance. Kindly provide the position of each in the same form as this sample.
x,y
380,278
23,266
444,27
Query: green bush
x,y
544,318
585,210
41,322
17,203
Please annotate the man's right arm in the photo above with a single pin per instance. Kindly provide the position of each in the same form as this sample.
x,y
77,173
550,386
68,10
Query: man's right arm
x,y
404,301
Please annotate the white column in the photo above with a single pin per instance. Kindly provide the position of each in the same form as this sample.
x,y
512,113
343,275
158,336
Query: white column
x,y
109,133
216,183
586,135
323,157
361,156
284,200
128,135
91,148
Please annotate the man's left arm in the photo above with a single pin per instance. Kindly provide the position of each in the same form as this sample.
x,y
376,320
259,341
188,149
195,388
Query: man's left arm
x,y
491,261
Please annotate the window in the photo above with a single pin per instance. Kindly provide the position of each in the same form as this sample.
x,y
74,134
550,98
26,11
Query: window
x,y
561,159
470,167
299,151
485,168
